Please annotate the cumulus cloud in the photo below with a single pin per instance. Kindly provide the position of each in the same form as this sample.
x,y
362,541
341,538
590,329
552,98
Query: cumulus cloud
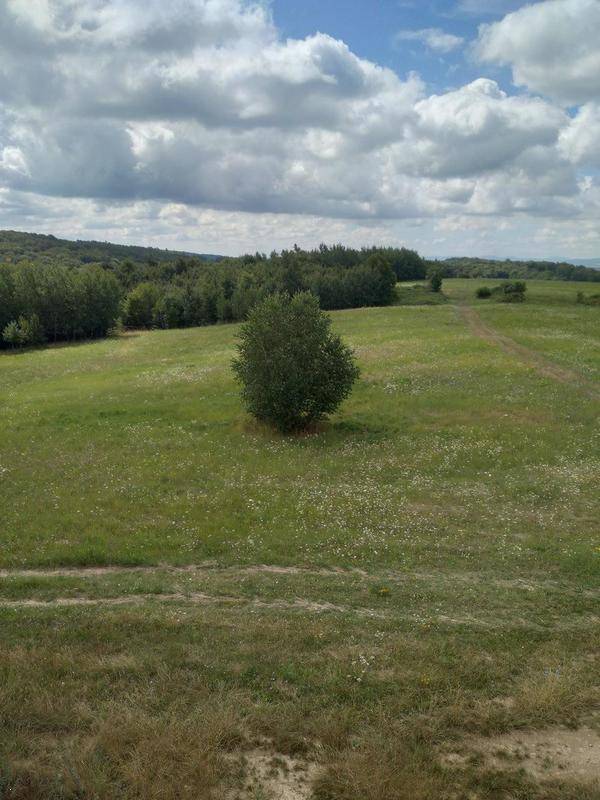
x,y
479,128
552,48
580,140
434,38
167,112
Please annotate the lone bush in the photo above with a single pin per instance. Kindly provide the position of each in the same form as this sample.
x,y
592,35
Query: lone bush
x,y
293,370
435,279
483,291
511,291
588,300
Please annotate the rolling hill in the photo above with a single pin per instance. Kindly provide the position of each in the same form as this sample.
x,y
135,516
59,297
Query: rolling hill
x,y
17,245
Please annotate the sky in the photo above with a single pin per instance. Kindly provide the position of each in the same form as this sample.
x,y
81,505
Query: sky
x,y
455,127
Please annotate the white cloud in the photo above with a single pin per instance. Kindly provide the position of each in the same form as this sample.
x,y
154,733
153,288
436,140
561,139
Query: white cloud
x,y
478,128
435,38
197,116
580,141
552,48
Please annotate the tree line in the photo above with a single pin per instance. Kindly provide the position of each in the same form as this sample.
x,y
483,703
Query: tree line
x,y
56,295
520,270
202,294
40,303
51,302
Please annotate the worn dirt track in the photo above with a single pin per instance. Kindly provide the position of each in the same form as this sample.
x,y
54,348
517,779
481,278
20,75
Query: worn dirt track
x,y
542,365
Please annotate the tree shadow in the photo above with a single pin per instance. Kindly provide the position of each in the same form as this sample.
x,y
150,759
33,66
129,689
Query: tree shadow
x,y
21,351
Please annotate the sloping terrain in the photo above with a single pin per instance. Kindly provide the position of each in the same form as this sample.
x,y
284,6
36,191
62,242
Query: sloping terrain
x,y
403,604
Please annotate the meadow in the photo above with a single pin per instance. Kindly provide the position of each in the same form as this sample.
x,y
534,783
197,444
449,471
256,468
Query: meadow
x,y
401,604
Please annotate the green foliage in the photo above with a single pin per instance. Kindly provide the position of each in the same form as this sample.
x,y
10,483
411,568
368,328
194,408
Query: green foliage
x,y
508,269
76,297
589,299
18,246
407,264
25,332
32,332
58,303
505,292
11,334
419,295
77,288
434,275
511,291
293,370
140,304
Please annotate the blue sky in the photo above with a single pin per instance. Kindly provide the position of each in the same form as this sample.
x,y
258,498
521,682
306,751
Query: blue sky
x,y
451,126
370,28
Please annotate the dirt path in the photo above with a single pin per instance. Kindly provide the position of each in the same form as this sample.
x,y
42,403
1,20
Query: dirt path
x,y
543,366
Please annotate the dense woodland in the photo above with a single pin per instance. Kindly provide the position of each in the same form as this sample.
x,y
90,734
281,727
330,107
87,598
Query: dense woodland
x,y
55,290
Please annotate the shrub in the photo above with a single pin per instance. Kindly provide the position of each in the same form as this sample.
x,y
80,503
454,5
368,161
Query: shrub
x,y
31,330
26,331
483,291
511,291
11,334
418,295
588,299
293,370
435,280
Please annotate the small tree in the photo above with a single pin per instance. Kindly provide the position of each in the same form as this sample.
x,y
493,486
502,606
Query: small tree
x,y
31,330
292,368
26,331
12,334
512,291
435,279
140,304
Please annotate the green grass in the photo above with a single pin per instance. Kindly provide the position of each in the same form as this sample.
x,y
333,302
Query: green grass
x,y
441,533
552,323
418,294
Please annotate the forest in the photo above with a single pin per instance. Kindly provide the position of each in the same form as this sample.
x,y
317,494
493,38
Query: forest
x,y
48,301
54,290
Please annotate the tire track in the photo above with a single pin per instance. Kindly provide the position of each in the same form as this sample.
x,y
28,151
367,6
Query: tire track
x,y
194,598
584,622
185,569
212,568
542,365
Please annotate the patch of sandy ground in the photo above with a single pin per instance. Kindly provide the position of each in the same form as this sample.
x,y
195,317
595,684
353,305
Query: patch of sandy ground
x,y
275,776
550,753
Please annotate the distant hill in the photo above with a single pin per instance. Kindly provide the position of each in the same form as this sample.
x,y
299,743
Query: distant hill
x,y
470,267
594,263
17,246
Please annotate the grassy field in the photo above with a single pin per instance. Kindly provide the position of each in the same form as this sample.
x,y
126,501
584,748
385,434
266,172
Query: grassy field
x,y
402,604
